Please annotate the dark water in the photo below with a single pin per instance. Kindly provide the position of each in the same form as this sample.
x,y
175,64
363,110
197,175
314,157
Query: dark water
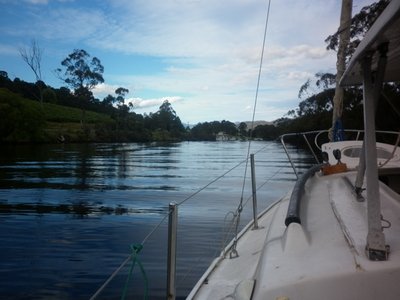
x,y
69,213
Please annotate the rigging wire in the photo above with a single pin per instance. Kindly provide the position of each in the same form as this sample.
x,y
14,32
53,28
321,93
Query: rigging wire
x,y
240,206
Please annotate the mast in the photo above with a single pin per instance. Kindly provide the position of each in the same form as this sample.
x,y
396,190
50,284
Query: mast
x,y
344,39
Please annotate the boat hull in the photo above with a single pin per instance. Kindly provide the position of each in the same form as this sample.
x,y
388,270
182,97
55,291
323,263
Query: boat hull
x,y
321,258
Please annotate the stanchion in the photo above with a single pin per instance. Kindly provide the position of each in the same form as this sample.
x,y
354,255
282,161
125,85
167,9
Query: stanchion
x,y
254,189
171,263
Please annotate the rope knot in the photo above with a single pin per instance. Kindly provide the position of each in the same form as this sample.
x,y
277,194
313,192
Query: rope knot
x,y
136,248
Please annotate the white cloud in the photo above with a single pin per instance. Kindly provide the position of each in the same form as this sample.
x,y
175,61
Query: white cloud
x,y
139,103
104,89
299,75
8,50
37,1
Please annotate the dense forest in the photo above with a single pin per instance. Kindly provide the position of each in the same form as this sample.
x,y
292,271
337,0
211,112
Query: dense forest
x,y
36,112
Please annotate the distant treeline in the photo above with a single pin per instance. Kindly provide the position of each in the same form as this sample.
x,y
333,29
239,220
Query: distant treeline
x,y
36,112
61,116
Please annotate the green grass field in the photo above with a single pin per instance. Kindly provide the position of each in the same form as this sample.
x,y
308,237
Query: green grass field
x,y
25,120
54,112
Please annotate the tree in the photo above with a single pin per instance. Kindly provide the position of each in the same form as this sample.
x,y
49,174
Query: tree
x,y
82,74
121,93
266,132
243,129
3,74
360,24
108,101
19,122
166,122
33,58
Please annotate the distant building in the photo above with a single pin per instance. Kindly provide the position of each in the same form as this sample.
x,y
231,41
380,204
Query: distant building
x,y
222,136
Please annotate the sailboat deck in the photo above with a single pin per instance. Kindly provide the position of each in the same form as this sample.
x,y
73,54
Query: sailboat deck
x,y
225,274
311,260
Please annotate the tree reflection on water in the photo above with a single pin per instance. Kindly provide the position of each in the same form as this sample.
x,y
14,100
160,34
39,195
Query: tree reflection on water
x,y
79,209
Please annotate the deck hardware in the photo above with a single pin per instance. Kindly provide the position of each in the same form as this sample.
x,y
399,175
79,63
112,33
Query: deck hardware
x,y
388,224
233,253
338,155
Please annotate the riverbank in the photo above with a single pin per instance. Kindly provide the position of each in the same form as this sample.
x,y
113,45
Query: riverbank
x,y
24,120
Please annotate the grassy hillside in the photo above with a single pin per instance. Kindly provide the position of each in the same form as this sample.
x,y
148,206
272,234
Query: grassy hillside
x,y
58,113
24,120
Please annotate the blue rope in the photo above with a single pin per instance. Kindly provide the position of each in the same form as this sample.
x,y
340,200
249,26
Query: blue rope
x,y
136,248
338,131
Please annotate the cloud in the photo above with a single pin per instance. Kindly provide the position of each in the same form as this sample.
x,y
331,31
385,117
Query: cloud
x,y
62,24
298,51
139,103
8,50
103,89
37,1
299,75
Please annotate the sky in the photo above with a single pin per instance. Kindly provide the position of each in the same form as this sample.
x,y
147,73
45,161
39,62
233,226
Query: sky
x,y
203,56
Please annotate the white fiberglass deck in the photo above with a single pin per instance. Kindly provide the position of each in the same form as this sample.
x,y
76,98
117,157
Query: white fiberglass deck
x,y
324,258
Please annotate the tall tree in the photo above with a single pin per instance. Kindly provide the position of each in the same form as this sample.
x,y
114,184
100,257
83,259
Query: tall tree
x,y
166,119
33,58
121,93
243,129
81,73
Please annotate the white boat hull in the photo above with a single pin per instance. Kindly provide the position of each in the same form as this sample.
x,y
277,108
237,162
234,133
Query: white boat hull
x,y
322,258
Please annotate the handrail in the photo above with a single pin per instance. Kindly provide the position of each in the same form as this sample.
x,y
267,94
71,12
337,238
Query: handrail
x,y
293,213
317,134
304,135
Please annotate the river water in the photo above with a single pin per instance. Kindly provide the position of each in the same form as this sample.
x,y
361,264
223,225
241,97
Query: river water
x,y
69,213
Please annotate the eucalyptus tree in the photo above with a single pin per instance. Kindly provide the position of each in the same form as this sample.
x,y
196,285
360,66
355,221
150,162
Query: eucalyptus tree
x,y
121,94
81,73
166,120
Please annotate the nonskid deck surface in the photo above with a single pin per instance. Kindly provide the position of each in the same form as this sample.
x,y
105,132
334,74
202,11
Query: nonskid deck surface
x,y
228,273
323,258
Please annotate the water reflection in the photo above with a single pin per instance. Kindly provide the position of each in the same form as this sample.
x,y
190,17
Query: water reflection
x,y
80,209
82,167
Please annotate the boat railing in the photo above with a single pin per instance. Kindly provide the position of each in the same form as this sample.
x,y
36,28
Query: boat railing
x,y
313,140
293,213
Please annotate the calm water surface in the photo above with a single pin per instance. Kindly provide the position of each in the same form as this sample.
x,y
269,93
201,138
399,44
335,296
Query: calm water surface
x,y
69,213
